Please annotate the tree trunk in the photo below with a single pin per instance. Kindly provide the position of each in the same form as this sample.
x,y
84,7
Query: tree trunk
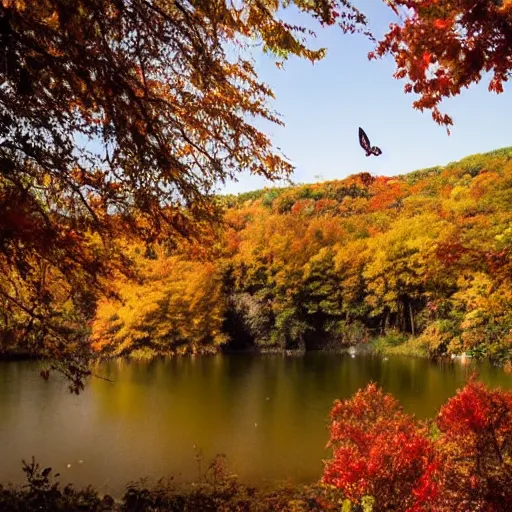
x,y
411,316
402,313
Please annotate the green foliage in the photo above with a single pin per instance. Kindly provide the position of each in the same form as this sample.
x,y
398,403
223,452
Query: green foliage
x,y
391,339
417,176
269,197
412,346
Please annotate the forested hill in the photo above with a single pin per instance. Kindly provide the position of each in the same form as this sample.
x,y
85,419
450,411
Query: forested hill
x,y
424,256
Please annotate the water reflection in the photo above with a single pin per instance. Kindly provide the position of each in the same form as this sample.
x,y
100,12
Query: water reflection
x,y
268,414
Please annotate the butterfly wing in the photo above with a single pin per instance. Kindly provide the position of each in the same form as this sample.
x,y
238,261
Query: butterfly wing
x,y
376,151
363,140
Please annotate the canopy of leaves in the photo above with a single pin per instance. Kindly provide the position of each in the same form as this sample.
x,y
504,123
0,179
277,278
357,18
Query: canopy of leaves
x,y
442,46
119,116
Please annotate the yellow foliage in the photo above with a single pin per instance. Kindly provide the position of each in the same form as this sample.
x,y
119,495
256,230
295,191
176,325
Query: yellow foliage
x,y
178,308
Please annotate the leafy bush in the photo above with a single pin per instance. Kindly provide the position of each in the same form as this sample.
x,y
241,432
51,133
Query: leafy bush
x,y
378,451
42,493
413,346
392,338
216,491
438,336
475,449
348,334
462,463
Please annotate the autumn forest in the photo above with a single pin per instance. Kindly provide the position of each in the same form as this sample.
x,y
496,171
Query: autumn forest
x,y
423,259
121,122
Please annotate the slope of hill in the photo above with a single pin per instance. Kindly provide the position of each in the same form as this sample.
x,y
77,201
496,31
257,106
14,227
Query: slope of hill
x,y
425,255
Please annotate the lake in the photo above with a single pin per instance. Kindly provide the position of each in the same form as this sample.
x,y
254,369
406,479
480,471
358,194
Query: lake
x,y
268,414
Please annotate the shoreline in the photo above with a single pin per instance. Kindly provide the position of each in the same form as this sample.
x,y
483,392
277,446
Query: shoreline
x,y
376,346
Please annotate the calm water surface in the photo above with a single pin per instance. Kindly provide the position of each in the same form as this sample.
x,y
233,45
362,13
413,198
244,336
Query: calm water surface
x,y
268,414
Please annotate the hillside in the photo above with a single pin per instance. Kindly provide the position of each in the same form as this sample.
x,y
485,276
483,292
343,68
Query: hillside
x,y
423,257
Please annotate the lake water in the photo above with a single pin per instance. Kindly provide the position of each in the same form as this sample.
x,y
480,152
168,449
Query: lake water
x,y
268,414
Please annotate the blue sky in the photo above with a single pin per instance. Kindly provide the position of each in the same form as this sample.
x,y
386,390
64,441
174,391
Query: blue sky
x,y
323,105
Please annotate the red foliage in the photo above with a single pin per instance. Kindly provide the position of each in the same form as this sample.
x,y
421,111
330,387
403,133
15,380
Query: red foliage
x,y
497,260
386,192
379,451
365,178
443,46
475,446
450,252
326,205
303,207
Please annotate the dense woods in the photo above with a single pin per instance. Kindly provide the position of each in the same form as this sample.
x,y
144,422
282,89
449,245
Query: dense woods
x,y
119,118
423,258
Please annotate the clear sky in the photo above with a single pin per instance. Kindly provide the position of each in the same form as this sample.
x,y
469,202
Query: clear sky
x,y
323,105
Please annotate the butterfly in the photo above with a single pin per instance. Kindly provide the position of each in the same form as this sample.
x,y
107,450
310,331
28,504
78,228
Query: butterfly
x,y
365,144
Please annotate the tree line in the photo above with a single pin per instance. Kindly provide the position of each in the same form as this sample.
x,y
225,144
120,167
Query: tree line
x,y
426,255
